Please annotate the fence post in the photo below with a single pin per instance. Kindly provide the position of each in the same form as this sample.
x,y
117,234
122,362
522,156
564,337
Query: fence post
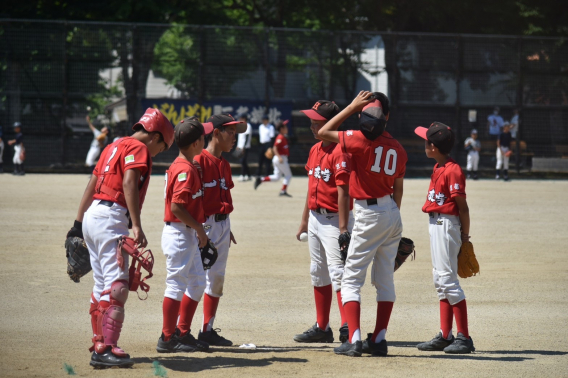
x,y
200,72
268,76
519,105
332,48
65,95
459,69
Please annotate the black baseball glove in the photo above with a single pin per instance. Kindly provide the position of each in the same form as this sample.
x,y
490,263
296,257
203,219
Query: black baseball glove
x,y
405,249
78,259
344,240
208,255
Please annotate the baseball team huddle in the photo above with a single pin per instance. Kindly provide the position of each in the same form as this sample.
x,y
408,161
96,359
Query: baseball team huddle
x,y
351,217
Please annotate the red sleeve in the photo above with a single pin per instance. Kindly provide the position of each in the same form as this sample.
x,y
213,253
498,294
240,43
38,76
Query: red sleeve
x,y
137,156
182,187
402,163
342,169
351,142
456,181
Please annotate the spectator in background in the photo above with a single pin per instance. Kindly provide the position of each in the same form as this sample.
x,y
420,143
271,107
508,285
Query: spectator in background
x,y
503,153
1,150
472,146
266,134
19,150
99,141
514,127
495,123
243,147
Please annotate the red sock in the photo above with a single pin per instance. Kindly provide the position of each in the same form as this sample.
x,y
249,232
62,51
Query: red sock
x,y
323,296
186,313
209,310
341,310
170,311
353,314
446,318
94,311
384,310
267,178
460,313
284,187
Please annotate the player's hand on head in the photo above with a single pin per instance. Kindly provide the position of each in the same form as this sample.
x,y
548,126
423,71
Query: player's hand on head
x,y
362,99
202,237
139,237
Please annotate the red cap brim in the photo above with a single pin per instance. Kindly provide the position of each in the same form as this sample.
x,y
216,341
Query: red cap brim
x,y
421,132
312,114
208,127
374,104
286,122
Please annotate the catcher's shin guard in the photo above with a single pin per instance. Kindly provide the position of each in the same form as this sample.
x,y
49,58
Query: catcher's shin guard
x,y
95,312
113,317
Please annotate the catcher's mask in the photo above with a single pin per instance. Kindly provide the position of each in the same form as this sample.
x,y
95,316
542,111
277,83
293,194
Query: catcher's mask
x,y
372,120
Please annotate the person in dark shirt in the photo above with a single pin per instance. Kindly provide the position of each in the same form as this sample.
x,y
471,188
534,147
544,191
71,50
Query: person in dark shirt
x,y
503,153
19,151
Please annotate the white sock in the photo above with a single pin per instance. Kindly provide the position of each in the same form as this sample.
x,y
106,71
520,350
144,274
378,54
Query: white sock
x,y
381,336
210,324
356,336
449,335
325,329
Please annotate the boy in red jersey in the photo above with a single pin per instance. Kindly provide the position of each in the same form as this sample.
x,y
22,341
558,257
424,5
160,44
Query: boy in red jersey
x,y
449,226
113,197
280,160
182,237
379,165
217,204
326,215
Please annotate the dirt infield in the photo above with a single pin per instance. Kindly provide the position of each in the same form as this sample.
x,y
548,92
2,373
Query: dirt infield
x,y
518,306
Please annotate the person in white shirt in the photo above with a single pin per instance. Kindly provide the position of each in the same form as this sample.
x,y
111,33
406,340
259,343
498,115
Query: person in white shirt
x,y
495,123
99,141
472,146
514,126
266,134
243,147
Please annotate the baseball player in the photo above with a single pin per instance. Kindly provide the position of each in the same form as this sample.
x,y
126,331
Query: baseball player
x,y
265,136
99,141
280,160
503,153
495,123
243,147
19,150
326,215
113,199
379,165
217,204
448,213
1,150
472,146
182,237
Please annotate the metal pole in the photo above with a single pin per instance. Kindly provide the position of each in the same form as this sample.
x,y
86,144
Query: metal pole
x,y
519,105
459,69
65,95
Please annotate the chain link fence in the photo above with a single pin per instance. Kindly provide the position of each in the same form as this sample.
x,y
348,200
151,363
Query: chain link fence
x,y
52,72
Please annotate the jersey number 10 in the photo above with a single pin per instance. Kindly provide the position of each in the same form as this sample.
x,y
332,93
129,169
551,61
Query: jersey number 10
x,y
390,161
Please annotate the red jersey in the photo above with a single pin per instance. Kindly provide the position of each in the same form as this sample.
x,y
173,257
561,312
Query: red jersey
x,y
327,168
376,164
217,183
184,186
447,182
281,145
118,157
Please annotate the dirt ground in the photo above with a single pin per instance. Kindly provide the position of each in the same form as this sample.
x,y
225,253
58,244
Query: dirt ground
x,y
518,306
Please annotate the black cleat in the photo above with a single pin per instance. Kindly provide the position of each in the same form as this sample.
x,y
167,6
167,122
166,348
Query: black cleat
x,y
284,194
376,349
108,360
315,335
257,182
438,343
461,345
213,338
343,333
181,344
348,349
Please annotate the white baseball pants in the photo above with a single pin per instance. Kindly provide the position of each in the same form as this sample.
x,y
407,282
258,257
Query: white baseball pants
x,y
184,268
92,156
445,243
376,234
326,266
472,160
281,169
18,149
220,235
502,160
102,226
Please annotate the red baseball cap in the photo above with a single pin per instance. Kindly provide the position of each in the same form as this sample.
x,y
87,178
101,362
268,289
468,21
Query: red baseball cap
x,y
222,120
441,135
322,110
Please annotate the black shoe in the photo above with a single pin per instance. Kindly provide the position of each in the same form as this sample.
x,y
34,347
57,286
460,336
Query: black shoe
x,y
108,360
343,333
438,343
376,349
257,182
315,335
213,338
461,345
284,194
189,342
348,349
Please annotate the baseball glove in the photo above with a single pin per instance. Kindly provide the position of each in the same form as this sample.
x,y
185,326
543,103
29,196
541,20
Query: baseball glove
x,y
344,240
508,153
78,258
208,255
405,249
269,154
467,263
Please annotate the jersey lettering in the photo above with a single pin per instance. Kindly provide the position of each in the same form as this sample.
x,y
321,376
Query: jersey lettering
x,y
110,158
198,194
211,184
390,161
166,186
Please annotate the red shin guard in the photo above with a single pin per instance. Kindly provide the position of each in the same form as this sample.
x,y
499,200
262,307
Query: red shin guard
x,y
353,315
170,310
460,313
323,296
384,310
341,310
265,179
446,318
209,310
186,313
